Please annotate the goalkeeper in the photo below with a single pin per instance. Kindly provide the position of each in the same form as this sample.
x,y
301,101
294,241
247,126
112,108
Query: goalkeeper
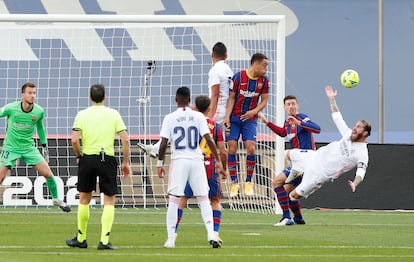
x,y
22,118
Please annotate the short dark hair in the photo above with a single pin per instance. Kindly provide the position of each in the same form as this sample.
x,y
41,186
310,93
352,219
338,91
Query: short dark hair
x,y
367,127
220,50
258,57
182,97
28,84
202,103
289,97
97,93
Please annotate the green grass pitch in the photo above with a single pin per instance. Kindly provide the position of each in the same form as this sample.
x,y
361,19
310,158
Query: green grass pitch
x,y
39,234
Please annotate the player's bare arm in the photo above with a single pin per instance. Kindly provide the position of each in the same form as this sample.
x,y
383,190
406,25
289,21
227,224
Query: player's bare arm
x,y
229,109
331,94
252,113
126,151
353,184
161,155
263,118
215,91
76,136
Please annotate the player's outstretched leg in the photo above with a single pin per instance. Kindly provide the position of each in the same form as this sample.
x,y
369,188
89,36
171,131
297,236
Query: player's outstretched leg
x,y
62,205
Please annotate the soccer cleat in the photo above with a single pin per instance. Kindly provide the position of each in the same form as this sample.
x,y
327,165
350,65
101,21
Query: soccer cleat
x,y
73,242
284,222
62,205
214,243
170,243
219,239
108,246
293,175
248,189
234,190
149,149
299,220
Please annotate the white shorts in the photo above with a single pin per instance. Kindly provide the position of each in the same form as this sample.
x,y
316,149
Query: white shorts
x,y
220,113
313,178
191,170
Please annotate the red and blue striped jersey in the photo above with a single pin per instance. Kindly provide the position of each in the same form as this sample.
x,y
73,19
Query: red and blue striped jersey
x,y
247,92
299,136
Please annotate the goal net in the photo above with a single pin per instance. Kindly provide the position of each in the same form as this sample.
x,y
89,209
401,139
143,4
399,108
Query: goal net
x,y
141,60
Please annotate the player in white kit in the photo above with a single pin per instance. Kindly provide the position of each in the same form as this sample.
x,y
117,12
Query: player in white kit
x,y
219,82
330,161
184,129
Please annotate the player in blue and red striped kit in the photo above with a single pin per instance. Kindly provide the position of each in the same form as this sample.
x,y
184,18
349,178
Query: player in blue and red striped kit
x,y
248,96
299,129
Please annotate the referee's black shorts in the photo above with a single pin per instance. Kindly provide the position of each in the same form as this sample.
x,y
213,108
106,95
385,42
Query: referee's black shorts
x,y
91,167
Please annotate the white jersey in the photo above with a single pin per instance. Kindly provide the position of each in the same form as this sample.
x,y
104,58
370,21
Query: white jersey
x,y
221,74
330,161
343,155
183,128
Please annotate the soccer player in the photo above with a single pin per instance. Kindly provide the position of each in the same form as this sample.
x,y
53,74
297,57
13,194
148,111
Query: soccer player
x,y
247,98
202,104
330,161
219,83
96,127
299,129
183,128
22,119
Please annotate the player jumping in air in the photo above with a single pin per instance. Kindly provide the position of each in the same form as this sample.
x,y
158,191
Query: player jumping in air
x,y
247,98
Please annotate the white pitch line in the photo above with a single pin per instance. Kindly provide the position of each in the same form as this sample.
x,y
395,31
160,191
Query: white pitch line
x,y
212,254
226,247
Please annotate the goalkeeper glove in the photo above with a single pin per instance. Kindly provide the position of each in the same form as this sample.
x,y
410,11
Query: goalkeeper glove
x,y
45,153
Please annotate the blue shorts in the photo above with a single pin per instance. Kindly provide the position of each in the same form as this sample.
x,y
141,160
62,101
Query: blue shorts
x,y
295,182
247,129
213,183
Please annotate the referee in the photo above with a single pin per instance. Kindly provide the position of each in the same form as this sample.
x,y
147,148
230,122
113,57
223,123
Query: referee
x,y
96,127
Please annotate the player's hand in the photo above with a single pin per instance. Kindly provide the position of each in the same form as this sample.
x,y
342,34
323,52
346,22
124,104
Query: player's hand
x,y
262,117
161,172
224,174
126,170
330,92
45,153
248,115
352,185
293,120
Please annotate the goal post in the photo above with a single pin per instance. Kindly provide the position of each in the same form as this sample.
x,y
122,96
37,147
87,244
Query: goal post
x,y
141,60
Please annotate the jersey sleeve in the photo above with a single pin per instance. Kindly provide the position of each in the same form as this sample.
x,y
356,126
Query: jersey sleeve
x,y
41,130
280,131
4,111
77,123
340,124
309,125
203,126
120,125
165,128
213,78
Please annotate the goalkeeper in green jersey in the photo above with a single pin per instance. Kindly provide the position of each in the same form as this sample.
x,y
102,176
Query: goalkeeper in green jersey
x,y
22,118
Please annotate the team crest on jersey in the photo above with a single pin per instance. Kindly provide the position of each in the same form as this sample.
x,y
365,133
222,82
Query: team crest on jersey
x,y
33,119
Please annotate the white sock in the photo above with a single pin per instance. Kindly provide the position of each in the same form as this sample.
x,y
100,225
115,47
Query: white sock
x,y
207,215
172,214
